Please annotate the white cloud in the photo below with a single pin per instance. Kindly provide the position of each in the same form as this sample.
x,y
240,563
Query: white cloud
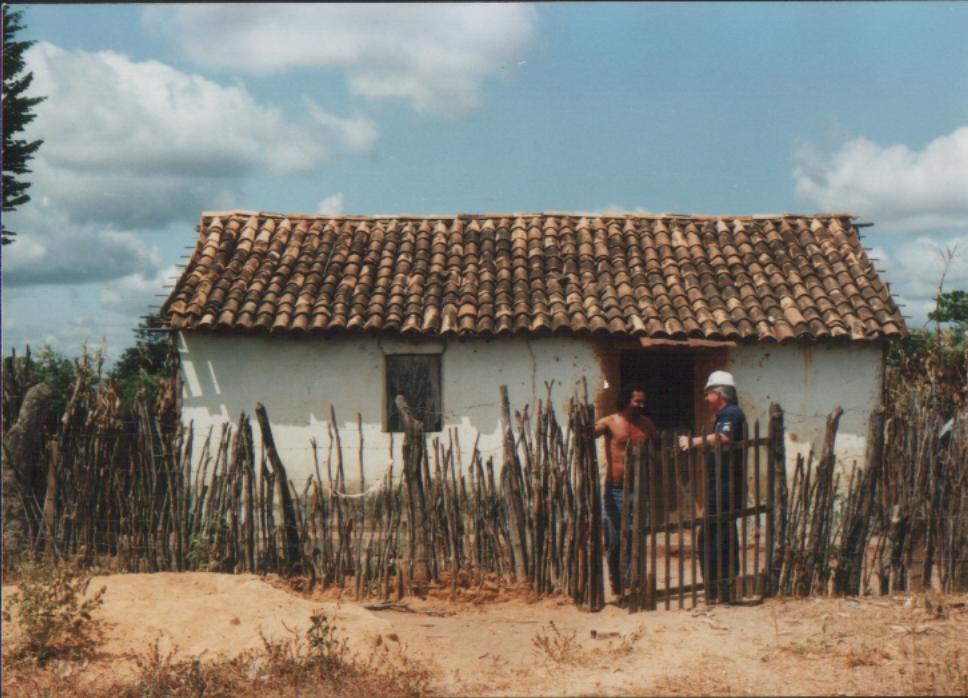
x,y
137,293
914,269
139,143
134,146
332,205
148,118
900,189
434,56
50,249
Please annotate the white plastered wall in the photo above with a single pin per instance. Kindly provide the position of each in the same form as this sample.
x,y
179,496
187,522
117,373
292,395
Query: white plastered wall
x,y
298,379
809,382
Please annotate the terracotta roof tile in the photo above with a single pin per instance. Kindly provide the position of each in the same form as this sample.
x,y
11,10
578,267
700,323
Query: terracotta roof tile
x,y
748,279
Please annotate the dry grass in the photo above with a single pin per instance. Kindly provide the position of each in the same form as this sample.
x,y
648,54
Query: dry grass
x,y
317,663
558,647
934,674
865,656
694,684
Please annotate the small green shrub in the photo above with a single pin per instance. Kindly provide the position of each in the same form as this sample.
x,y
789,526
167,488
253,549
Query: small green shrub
x,y
204,546
322,640
53,619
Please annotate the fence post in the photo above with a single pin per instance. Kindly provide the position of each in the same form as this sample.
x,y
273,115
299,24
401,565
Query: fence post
x,y
848,578
635,458
625,529
653,481
289,527
776,493
413,442
519,532
591,463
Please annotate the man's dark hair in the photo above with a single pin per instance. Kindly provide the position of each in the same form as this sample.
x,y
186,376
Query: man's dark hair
x,y
627,393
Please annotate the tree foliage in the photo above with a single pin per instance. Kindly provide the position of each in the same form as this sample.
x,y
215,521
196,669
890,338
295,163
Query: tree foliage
x,y
952,307
17,113
47,366
145,365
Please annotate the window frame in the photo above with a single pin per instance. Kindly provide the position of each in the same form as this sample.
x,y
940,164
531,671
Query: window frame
x,y
437,368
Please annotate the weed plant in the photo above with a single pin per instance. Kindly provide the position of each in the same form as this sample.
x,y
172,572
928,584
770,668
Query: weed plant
x,y
52,618
558,647
316,663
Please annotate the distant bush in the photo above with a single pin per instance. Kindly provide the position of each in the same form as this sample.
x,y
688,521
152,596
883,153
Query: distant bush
x,y
927,370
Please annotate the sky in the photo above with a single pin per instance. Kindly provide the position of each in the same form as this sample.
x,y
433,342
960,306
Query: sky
x,y
156,113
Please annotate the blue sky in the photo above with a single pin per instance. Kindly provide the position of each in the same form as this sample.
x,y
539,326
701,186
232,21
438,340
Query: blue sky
x,y
156,113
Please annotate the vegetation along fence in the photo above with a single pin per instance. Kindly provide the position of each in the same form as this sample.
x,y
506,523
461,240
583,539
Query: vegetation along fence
x,y
111,484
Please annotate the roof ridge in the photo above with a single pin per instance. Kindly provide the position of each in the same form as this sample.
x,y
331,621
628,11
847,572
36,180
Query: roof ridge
x,y
520,214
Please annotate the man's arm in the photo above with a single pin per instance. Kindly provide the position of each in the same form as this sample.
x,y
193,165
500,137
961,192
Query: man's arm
x,y
602,426
725,432
686,443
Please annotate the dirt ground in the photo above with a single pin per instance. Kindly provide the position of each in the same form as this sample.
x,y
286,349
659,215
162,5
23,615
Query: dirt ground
x,y
491,642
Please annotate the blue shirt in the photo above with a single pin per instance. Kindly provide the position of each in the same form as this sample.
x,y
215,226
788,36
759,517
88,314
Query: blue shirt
x,y
731,422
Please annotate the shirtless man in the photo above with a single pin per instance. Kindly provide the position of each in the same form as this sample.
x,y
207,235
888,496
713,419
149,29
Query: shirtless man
x,y
627,426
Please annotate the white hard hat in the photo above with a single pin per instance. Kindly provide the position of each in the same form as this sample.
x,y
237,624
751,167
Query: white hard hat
x,y
719,378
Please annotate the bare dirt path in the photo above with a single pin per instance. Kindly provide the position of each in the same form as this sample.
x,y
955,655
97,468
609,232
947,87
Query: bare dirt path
x,y
511,645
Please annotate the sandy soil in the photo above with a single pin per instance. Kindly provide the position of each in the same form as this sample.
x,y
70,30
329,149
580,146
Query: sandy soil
x,y
503,643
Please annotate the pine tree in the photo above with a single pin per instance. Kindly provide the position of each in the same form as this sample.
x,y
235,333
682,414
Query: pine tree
x,y
16,115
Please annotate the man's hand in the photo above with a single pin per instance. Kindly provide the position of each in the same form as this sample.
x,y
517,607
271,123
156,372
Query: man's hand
x,y
684,443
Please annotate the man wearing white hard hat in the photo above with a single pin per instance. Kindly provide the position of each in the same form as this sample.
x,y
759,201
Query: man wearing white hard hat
x,y
720,561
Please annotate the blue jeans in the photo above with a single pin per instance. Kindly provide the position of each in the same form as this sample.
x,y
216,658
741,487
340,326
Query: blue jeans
x,y
613,533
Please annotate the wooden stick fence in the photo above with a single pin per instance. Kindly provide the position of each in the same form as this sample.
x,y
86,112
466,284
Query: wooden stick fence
x,y
902,515
124,488
104,483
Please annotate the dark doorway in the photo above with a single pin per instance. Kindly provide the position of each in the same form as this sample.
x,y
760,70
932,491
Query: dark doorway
x,y
667,376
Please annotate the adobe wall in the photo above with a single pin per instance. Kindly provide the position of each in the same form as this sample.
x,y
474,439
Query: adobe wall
x,y
297,379
809,381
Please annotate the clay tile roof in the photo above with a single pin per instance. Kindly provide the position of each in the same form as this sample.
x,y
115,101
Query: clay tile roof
x,y
765,278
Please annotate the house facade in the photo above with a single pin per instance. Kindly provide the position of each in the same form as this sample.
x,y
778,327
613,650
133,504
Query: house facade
x,y
302,313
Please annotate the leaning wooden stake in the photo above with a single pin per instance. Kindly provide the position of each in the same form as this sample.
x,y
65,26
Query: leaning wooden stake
x,y
288,529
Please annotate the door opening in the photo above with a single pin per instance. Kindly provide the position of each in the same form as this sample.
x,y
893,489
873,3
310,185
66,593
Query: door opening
x,y
668,378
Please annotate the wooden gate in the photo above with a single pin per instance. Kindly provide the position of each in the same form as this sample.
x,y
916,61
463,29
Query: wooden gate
x,y
662,534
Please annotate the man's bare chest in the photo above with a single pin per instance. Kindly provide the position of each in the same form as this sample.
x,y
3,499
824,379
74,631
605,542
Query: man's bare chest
x,y
624,431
